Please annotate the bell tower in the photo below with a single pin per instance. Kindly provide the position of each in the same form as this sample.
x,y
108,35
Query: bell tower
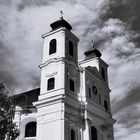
x,y
60,51
96,96
59,89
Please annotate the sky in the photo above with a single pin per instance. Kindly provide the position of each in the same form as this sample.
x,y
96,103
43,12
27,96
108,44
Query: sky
x,y
114,25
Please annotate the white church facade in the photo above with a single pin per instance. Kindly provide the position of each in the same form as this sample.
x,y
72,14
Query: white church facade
x,y
73,101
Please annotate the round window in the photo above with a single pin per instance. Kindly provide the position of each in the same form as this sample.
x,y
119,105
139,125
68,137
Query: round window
x,y
94,89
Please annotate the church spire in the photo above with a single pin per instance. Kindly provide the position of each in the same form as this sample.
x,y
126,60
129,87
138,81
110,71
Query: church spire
x,y
92,51
60,23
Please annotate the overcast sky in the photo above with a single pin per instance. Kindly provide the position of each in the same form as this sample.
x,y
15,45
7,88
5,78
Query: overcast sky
x,y
113,24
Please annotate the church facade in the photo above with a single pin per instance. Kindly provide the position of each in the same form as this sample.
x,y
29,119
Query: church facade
x,y
73,102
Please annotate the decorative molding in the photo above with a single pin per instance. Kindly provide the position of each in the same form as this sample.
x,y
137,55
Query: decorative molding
x,y
50,61
53,32
52,74
96,116
58,59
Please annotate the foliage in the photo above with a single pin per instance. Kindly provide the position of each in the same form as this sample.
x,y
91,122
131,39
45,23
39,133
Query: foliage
x,y
8,128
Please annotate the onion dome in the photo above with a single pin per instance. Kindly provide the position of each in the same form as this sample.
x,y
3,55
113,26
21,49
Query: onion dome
x,y
60,23
92,52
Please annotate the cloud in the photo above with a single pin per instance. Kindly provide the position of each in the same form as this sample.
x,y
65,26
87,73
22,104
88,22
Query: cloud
x,y
122,52
114,26
127,126
22,24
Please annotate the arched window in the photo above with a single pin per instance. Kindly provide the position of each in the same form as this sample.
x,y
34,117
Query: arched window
x,y
93,133
72,134
99,99
94,90
30,130
52,48
51,83
103,73
89,92
71,49
71,85
105,105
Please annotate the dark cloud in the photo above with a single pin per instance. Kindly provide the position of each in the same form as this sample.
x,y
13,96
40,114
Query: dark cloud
x,y
120,9
132,98
128,119
127,11
118,37
22,24
113,24
126,111
127,126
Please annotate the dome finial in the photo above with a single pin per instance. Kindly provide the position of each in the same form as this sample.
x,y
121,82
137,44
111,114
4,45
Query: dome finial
x,y
92,51
61,12
60,23
92,44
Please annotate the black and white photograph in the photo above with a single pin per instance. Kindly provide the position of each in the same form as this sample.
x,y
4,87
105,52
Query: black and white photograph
x,y
69,69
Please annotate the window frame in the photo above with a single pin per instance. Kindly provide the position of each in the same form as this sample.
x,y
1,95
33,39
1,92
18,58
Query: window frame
x,y
89,92
93,137
71,49
74,134
94,90
106,105
100,101
52,46
27,133
51,86
103,73
72,80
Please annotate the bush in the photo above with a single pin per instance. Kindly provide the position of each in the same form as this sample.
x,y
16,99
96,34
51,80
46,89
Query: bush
x,y
8,128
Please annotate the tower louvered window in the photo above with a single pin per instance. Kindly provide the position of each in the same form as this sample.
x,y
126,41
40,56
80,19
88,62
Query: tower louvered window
x,y
105,105
71,49
51,83
52,48
72,134
71,85
103,73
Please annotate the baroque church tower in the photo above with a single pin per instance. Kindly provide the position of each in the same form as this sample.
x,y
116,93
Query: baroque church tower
x,y
74,101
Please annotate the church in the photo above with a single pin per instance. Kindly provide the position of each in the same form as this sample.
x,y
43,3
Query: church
x,y
73,101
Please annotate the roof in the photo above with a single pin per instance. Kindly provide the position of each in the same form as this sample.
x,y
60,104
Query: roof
x,y
60,23
29,97
92,52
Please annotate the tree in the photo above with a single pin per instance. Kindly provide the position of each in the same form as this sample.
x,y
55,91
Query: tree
x,y
8,129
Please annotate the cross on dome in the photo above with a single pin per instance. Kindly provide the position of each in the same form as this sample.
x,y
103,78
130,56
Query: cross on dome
x,y
61,12
92,44
60,23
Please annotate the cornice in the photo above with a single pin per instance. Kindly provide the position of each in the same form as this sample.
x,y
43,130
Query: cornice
x,y
48,101
58,59
53,32
92,115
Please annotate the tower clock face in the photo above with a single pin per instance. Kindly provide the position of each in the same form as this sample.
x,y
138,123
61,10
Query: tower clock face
x,y
94,89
